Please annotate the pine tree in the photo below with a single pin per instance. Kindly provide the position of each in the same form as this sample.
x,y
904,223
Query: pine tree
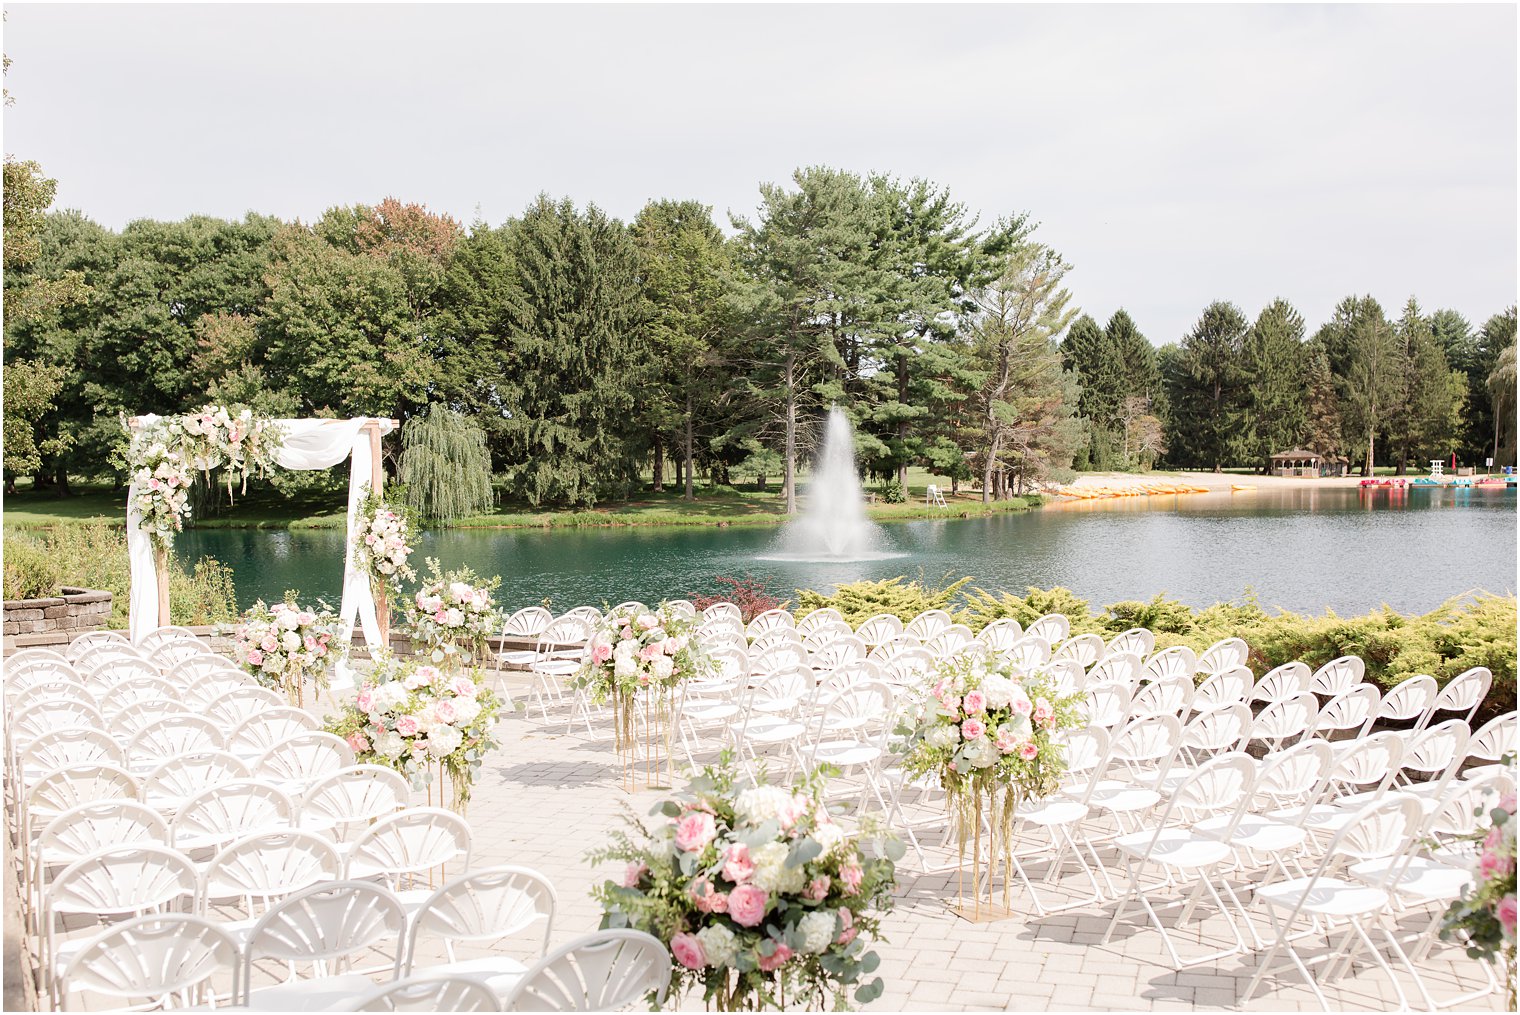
x,y
1212,380
1433,395
1274,366
1322,415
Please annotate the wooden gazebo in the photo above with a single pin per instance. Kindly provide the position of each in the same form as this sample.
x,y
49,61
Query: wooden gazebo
x,y
1298,462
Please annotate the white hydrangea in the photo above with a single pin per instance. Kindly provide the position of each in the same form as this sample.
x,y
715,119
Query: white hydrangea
x,y
662,667
444,740
981,753
720,945
390,744
465,710
771,872
764,803
290,641
830,836
945,735
817,931
389,695
998,690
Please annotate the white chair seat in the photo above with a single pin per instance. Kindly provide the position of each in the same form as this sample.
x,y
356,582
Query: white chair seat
x,y
1424,879
709,713
1054,812
1329,897
847,752
498,972
1255,832
518,657
773,731
328,993
556,667
1124,800
1174,847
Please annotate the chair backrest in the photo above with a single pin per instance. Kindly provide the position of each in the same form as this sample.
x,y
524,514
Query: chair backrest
x,y
726,611
1221,784
1053,627
231,810
1338,676
1282,682
1107,704
951,640
18,661
269,865
192,670
119,880
178,779
1293,776
927,624
305,757
1163,697
133,689
1220,729
822,634
449,992
26,724
730,662
586,614
906,667
1138,641
1465,807
23,672
354,796
1493,739
263,730
681,608
174,736
328,921
1119,668
171,653
1437,751
65,788
1145,744
87,643
1225,687
860,709
1223,655
1001,634
101,824
841,651
563,631
1028,653
1290,717
1085,649
527,622
237,705
1462,693
767,621
777,656
486,906
151,957
1169,663
66,747
1349,710
119,670
205,690
1409,699
410,842
879,629
163,635
605,971
1367,765
1069,676
1383,828
130,720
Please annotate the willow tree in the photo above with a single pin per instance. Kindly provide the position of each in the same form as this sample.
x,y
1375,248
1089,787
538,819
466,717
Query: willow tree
x,y
445,466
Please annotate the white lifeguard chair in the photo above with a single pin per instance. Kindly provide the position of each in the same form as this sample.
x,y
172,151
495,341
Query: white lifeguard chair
x,y
934,497
1437,468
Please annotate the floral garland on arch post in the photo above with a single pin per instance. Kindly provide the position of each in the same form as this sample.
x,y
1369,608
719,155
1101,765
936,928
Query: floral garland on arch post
x,y
989,732
382,543
762,898
164,453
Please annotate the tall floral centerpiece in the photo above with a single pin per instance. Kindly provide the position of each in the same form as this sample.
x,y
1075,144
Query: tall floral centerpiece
x,y
381,550
1485,914
989,733
762,898
637,659
286,644
432,725
452,615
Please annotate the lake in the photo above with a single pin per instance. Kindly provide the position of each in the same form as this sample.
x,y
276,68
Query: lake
x,y
1301,549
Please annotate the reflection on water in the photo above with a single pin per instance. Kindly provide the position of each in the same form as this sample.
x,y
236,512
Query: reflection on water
x,y
1308,549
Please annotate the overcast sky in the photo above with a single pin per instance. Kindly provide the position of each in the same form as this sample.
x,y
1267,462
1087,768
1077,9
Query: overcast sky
x,y
1174,155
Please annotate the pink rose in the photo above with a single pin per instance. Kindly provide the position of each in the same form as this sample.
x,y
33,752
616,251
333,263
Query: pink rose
x,y
737,866
444,711
626,634
847,924
270,643
1020,703
1043,712
464,687
369,539
440,617
688,951
669,646
406,726
695,831
817,889
776,959
633,873
255,657
307,618
705,899
975,703
358,742
971,729
1028,751
321,649
310,643
366,697
1006,740
746,905
649,652
601,653
414,680
1505,911
851,875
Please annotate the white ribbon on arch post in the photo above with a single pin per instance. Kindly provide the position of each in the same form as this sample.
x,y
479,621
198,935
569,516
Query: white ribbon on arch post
x,y
308,444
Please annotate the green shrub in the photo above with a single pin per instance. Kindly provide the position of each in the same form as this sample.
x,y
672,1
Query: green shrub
x,y
31,572
94,555
890,491
983,607
858,601
1161,615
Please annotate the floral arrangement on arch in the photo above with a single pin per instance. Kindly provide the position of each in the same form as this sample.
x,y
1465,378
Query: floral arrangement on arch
x,y
1486,913
763,899
410,715
989,732
382,543
164,452
453,614
284,644
634,649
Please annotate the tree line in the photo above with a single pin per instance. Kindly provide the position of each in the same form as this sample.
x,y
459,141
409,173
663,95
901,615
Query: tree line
x,y
594,353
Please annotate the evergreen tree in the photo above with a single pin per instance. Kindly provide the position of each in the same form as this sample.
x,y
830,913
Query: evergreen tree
x,y
1322,415
1211,380
1095,364
1497,347
1274,367
1432,398
1368,365
576,329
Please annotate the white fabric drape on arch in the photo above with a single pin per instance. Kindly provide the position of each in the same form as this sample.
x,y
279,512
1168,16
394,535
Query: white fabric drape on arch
x,y
308,444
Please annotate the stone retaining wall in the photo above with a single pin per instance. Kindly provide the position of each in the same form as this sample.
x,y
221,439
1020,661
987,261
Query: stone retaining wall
x,y
75,611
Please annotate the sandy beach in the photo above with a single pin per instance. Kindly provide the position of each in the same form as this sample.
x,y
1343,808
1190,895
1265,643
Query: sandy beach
x,y
1217,481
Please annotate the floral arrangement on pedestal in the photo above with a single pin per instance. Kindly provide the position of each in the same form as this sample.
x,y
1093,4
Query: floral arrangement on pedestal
x,y
285,644
163,453
1485,914
638,653
382,543
763,899
453,614
422,720
989,732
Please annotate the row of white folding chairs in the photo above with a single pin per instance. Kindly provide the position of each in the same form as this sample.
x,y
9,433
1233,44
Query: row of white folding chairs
x,y
336,922
33,666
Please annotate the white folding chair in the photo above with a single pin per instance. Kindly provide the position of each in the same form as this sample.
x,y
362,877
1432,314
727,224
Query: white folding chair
x,y
174,782
1285,721
1177,662
172,737
256,735
456,992
927,624
168,959
232,810
482,909
352,798
398,848
879,629
1338,676
604,971
1281,683
768,620
1464,692
1137,641
1225,687
1490,743
249,875
1053,627
297,762
1223,655
1085,649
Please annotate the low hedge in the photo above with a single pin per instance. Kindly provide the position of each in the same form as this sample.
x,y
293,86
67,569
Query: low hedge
x,y
1477,629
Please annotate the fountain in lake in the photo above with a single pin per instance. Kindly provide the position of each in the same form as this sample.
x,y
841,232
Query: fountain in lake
x,y
833,525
